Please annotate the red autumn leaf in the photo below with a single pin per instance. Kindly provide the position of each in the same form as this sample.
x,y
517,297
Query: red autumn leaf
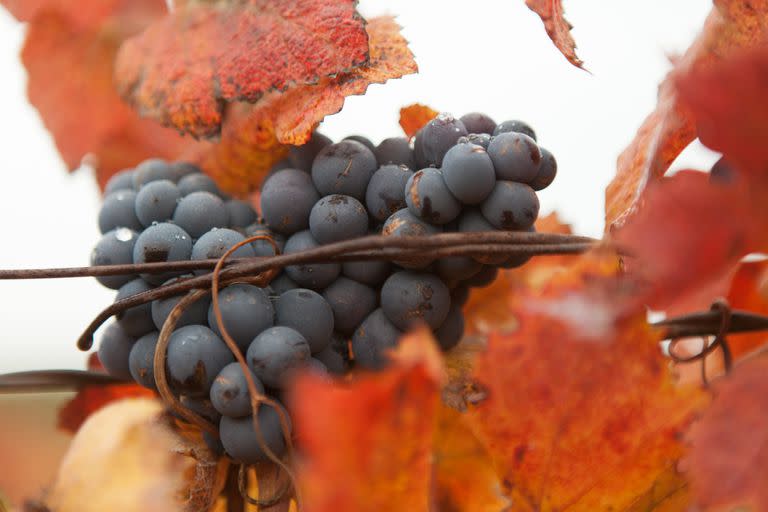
x,y
732,25
183,69
92,398
581,412
728,463
70,83
558,28
414,117
749,292
380,427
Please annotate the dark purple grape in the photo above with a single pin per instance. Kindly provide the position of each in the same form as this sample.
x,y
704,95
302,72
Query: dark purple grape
x,y
516,261
472,221
308,313
115,248
135,321
154,169
478,139
141,361
287,197
160,243
263,247
338,217
511,206
275,353
200,406
195,356
241,442
372,339
515,157
372,273
547,171
114,350
181,169
411,297
437,137
460,295
199,212
241,213
119,211
514,126
351,302
198,182
475,122
301,157
344,168
428,197
121,180
386,191
335,356
457,268
468,172
245,310
450,333
395,150
156,202
315,276
229,392
483,278
195,313
214,243
282,283
365,141
404,223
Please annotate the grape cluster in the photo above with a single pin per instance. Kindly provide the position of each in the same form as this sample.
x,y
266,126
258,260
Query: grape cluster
x,y
462,175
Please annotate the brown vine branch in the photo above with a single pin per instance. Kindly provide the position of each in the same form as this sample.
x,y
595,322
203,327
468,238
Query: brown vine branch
x,y
53,380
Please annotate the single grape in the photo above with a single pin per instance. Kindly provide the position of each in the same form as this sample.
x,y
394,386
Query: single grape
x,y
213,245
181,169
472,221
199,212
372,339
476,122
457,267
287,197
337,217
121,180
516,261
515,157
438,136
365,141
395,150
308,313
483,278
195,313
241,442
151,170
335,356
263,247
547,171
276,352
114,351
200,406
344,168
156,202
301,157
245,310
160,243
478,139
386,191
511,206
315,276
410,297
460,295
419,156
428,197
229,391
372,273
514,126
405,223
141,361
119,211
351,303
195,356
450,333
135,321
114,248
282,283
198,182
241,214
468,172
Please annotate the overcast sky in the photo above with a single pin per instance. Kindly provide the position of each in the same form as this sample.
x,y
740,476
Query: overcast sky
x,y
491,56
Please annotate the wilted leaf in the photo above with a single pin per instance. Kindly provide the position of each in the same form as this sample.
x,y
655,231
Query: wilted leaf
x,y
92,398
581,411
127,457
367,444
558,28
414,117
728,463
70,83
731,26
183,69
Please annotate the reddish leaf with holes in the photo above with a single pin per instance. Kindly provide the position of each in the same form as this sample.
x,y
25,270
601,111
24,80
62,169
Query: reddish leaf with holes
x,y
559,30
731,26
92,398
414,117
184,69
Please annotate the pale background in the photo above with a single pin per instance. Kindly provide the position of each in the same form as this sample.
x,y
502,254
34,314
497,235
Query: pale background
x,y
491,56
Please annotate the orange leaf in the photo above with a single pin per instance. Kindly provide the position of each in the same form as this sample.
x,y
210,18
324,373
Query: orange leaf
x,y
558,28
183,69
581,410
732,25
728,463
414,117
89,13
367,444
92,398
70,83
